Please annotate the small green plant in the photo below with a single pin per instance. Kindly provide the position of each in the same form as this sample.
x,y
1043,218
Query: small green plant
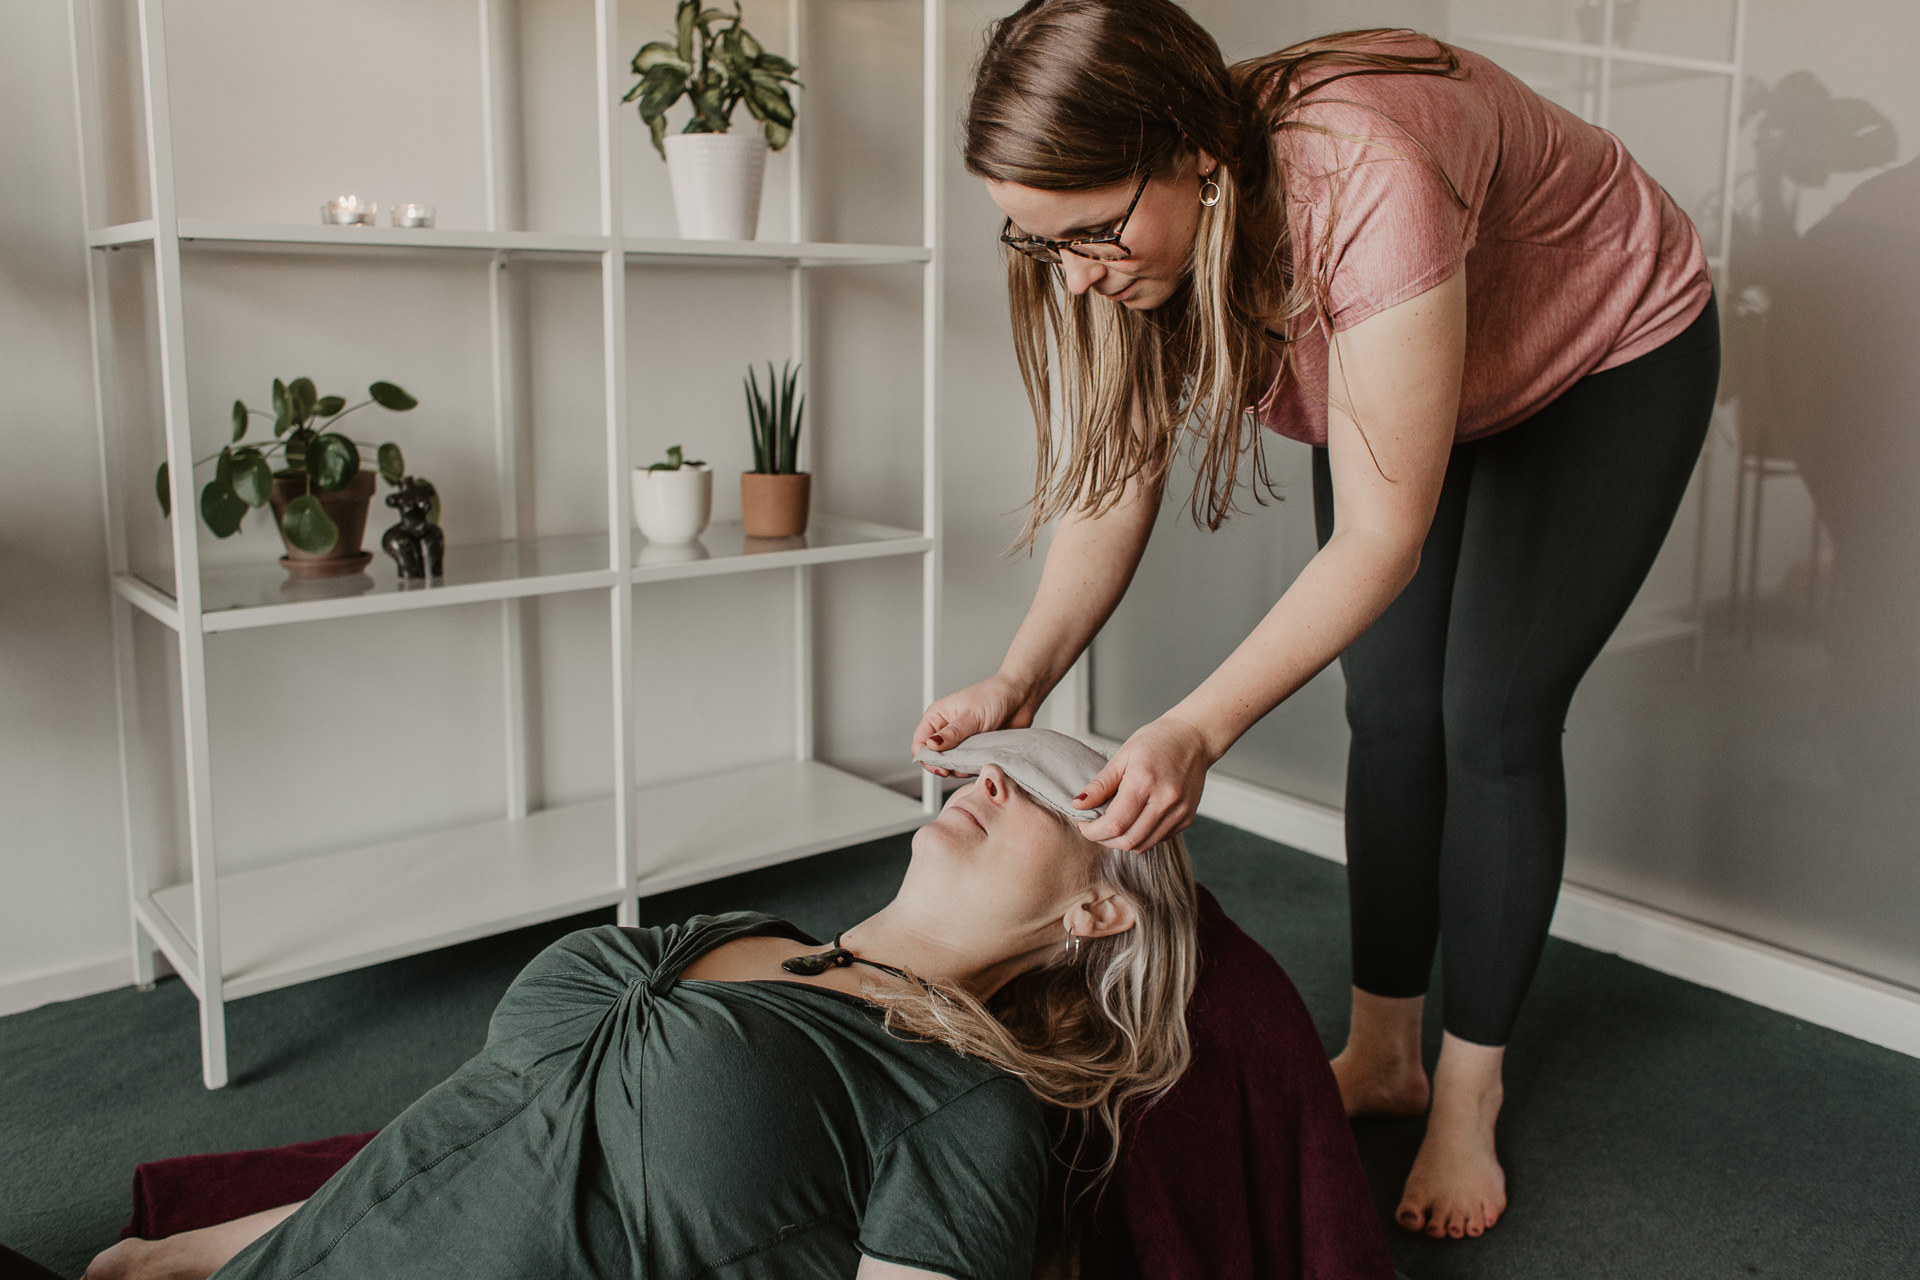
x,y
716,71
303,422
773,420
675,461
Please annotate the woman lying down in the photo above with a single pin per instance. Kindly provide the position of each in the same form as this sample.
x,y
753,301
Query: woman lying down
x,y
727,1097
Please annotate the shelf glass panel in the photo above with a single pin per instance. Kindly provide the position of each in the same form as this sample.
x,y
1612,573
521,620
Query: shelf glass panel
x,y
725,548
315,916
234,597
700,829
266,237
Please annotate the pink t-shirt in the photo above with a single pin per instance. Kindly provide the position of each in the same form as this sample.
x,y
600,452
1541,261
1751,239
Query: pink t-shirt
x,y
1576,260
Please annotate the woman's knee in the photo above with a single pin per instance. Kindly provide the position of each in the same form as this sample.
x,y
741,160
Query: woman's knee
x,y
1502,729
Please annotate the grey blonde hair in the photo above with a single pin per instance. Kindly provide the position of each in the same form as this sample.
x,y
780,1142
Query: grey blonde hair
x,y
1097,1031
1073,95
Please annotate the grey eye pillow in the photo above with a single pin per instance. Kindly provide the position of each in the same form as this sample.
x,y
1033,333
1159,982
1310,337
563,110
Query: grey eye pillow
x,y
1049,766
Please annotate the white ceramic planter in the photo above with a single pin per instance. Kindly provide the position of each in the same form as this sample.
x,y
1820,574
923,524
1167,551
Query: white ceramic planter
x,y
716,182
672,507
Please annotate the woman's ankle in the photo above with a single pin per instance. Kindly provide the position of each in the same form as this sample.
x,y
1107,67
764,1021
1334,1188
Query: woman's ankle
x,y
1380,1071
1467,1080
1385,1029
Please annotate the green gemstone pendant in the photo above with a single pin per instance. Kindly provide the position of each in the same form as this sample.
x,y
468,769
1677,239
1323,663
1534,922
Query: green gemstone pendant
x,y
815,965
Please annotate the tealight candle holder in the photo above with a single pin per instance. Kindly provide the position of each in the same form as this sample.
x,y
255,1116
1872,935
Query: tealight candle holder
x,y
349,211
411,215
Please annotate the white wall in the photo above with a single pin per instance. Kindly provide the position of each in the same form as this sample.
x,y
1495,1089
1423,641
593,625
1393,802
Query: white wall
x,y
61,874
408,707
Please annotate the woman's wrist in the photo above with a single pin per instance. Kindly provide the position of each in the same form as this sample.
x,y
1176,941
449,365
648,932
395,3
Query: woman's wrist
x,y
1216,733
1027,689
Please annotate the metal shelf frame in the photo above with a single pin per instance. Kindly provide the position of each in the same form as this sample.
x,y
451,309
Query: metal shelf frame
x,y
524,865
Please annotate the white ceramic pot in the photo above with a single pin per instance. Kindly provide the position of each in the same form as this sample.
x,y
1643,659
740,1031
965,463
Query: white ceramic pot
x,y
716,182
672,507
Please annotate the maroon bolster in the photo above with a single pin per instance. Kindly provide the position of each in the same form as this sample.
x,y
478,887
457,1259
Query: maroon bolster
x,y
190,1192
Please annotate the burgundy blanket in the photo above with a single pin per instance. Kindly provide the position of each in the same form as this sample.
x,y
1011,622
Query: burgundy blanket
x,y
1247,1170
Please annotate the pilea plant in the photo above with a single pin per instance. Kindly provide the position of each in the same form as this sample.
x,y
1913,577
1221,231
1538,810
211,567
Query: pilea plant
x,y
774,419
716,71
309,447
676,460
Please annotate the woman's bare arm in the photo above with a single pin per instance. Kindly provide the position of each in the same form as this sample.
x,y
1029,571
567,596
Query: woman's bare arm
x,y
191,1255
1397,374
874,1269
1089,565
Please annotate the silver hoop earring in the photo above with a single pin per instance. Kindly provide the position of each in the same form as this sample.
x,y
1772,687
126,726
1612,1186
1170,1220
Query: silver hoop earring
x,y
1207,185
1073,945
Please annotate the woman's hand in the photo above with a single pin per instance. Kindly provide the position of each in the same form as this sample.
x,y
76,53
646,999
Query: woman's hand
x,y
998,702
1151,787
191,1255
174,1258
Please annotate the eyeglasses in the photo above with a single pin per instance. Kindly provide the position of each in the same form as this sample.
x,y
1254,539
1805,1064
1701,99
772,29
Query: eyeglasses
x,y
1101,248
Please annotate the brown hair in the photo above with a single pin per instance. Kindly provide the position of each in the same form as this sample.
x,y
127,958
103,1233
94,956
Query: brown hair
x,y
1096,1031
1076,94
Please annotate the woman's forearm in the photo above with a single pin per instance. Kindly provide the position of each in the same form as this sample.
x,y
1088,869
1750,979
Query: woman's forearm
x,y
1399,373
1088,568
190,1255
1348,583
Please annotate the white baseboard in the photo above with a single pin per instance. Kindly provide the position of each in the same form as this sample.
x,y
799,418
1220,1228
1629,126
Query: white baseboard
x,y
89,978
1826,995
1812,990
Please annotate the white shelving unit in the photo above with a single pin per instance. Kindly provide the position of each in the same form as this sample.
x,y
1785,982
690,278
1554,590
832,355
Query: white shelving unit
x,y
238,933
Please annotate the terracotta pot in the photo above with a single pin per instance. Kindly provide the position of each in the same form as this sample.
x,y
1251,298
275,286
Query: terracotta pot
x,y
774,506
346,507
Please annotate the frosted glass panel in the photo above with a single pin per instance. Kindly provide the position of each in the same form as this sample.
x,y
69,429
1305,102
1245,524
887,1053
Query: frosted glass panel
x,y
1746,752
1675,124
1693,29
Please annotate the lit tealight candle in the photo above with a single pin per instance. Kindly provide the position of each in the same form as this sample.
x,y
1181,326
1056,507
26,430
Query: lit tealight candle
x,y
349,211
411,215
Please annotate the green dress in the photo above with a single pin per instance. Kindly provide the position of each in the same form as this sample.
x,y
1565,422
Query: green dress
x,y
621,1122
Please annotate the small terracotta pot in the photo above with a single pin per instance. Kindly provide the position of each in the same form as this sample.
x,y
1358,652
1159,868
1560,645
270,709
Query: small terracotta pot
x,y
346,507
774,506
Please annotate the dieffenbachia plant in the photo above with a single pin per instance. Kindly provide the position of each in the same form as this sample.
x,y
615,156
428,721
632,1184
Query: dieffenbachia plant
x,y
676,459
716,71
304,436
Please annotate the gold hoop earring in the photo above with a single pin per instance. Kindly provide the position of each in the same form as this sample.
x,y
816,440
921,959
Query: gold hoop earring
x,y
1209,184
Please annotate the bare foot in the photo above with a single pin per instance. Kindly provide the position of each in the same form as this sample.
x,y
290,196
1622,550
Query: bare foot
x,y
1379,1071
1373,1085
1457,1187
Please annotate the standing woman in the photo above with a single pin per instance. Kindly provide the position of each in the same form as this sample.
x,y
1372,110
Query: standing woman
x,y
1498,335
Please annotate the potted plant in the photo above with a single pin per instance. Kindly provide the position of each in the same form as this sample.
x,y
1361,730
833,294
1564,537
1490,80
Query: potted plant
x,y
716,174
774,495
319,494
673,500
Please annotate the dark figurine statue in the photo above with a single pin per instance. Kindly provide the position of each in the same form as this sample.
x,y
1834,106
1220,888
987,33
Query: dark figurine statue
x,y
416,544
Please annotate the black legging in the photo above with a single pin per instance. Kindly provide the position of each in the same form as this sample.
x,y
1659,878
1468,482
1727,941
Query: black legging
x,y
1457,697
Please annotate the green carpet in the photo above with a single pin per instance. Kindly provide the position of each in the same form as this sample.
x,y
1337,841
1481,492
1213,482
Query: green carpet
x,y
1652,1129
